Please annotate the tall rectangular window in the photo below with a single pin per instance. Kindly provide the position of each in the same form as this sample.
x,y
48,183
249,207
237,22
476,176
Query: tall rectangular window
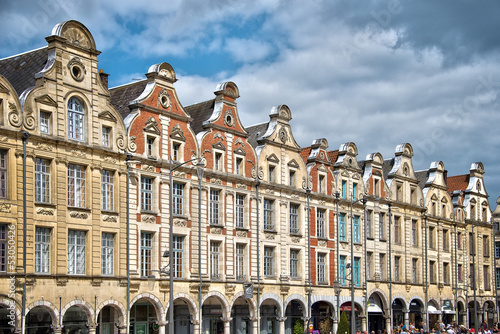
x,y
76,185
414,233
446,273
214,206
414,270
294,219
486,277
471,244
459,240
239,166
106,133
397,230
497,249
76,252
432,272
76,119
214,260
357,281
218,161
459,273
320,224
381,266
294,263
397,273
240,262
291,178
268,215
44,122
381,218
369,261
42,180
3,247
107,253
42,250
342,270
3,174
176,151
497,277
178,198
376,186
268,261
146,253
321,268
178,252
342,227
431,238
271,174
344,186
321,183
486,246
356,229
150,144
147,193
354,191
445,241
107,190
239,210
368,225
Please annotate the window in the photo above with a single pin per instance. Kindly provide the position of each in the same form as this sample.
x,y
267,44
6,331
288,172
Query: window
x,y
459,240
471,244
497,277
321,184
414,233
397,276
177,198
397,230
146,193
76,119
446,246
107,190
3,174
146,253
342,227
150,144
356,229
321,266
42,250
486,277
354,192
291,178
76,252
446,273
3,248
76,185
240,209
271,174
107,253
413,195
376,187
177,263
497,249
239,166
432,272
431,238
218,161
344,185
294,263
381,218
486,246
268,261
459,273
268,215
176,151
414,270
294,219
44,122
320,224
214,206
381,266
368,226
356,272
240,262
42,180
106,134
214,260
342,270
399,192
369,261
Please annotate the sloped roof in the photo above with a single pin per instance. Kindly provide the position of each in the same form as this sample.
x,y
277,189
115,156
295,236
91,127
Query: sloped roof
x,y
422,177
305,152
256,131
122,95
333,156
200,112
387,167
458,182
20,69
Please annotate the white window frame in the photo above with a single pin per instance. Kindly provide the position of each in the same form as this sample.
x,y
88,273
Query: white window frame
x,y
294,263
106,136
294,218
239,165
268,215
239,210
178,198
147,185
45,122
214,205
76,185
219,161
76,119
215,260
107,187
3,173
268,261
177,256
240,262
107,253
147,242
42,180
42,250
321,268
76,252
321,223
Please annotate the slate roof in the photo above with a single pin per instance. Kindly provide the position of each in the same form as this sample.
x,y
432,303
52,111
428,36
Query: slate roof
x,y
122,95
20,69
458,182
387,167
422,177
199,113
256,131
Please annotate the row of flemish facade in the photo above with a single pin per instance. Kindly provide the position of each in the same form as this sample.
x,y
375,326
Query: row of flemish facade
x,y
85,140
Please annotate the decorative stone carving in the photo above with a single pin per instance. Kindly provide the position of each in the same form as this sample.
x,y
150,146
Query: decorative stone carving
x,y
322,243
148,168
216,181
148,219
269,191
5,207
269,236
45,211
229,118
120,141
241,234
29,120
78,153
76,37
109,219
295,240
180,223
78,215
321,202
15,118
294,196
132,146
44,147
239,141
109,159
218,135
240,186
163,98
216,230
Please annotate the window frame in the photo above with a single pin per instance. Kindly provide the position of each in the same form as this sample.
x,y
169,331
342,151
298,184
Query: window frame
x,y
42,181
321,259
215,260
214,205
3,173
42,250
106,136
268,214
147,186
293,212
76,119
77,179
107,190
240,262
342,231
177,257
239,211
268,261
75,265
178,198
146,253
294,263
107,253
45,122
321,224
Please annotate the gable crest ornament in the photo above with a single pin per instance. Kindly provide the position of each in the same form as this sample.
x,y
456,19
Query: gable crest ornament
x,y
151,126
164,98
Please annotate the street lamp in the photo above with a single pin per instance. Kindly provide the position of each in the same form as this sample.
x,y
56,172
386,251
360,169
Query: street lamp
x,y
353,313
336,284
199,164
426,272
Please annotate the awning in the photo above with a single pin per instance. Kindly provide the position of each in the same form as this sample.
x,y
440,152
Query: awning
x,y
433,310
374,308
446,310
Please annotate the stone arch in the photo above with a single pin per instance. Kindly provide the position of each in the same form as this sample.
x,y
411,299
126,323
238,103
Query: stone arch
x,y
219,296
75,33
191,304
160,311
86,307
433,301
382,296
163,70
275,298
251,302
301,299
283,111
404,149
116,305
6,303
403,301
228,88
53,311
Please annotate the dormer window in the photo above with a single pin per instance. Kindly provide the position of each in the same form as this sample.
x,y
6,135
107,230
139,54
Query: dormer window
x,y
76,119
271,174
150,142
376,186
218,161
291,178
176,151
321,184
344,186
44,122
106,136
238,168
354,191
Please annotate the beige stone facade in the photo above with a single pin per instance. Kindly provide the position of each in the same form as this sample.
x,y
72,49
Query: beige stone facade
x,y
308,226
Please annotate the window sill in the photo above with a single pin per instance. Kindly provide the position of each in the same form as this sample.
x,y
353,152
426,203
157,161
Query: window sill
x,y
382,240
270,231
296,235
216,225
146,212
370,238
77,208
322,238
47,205
242,228
180,216
108,212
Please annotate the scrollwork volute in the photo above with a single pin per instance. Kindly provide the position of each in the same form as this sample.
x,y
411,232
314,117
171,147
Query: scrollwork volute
x,y
132,145
120,142
15,118
29,119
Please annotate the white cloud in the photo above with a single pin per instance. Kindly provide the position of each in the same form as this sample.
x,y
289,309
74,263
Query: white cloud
x,y
246,50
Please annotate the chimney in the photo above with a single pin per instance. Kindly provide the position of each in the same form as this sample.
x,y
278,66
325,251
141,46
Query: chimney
x,y
104,78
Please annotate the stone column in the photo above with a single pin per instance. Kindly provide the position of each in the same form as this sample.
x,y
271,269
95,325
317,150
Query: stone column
x,y
407,319
92,328
227,325
255,330
388,322
56,329
364,326
281,320
161,326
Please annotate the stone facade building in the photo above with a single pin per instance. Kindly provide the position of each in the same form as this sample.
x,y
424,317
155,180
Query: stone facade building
x,y
108,195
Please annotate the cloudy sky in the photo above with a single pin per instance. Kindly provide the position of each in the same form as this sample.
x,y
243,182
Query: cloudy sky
x,y
377,73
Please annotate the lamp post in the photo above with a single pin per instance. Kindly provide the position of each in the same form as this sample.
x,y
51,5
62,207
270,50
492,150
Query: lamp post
x,y
258,252
474,287
337,276
23,311
353,279
308,192
199,169
171,238
390,269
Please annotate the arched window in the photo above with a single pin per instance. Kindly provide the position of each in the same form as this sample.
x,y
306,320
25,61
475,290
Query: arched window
x,y
76,119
